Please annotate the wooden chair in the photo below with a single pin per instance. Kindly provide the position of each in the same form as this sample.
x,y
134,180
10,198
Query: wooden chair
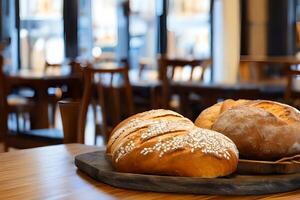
x,y
51,65
256,68
105,57
56,94
115,101
291,96
15,105
146,86
69,114
169,69
30,138
144,65
106,60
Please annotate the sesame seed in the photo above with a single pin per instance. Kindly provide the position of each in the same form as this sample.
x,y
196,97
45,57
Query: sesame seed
x,y
209,142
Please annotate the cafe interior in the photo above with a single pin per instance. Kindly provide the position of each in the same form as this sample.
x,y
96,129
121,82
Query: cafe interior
x,y
72,70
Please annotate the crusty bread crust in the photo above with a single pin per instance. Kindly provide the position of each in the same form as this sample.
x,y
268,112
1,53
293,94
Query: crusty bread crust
x,y
207,117
262,130
165,143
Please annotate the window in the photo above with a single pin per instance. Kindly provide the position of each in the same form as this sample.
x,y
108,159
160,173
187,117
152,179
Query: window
x,y
188,26
41,33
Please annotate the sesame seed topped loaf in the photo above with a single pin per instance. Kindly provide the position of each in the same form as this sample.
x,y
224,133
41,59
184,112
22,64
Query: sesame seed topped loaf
x,y
164,142
261,129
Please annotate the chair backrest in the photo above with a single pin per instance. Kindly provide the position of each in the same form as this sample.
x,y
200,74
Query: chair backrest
x,y
51,65
253,68
116,101
1,78
3,89
146,64
75,66
3,101
105,57
289,94
195,69
168,72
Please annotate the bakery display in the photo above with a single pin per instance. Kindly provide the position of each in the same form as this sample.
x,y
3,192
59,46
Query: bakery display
x,y
261,130
163,142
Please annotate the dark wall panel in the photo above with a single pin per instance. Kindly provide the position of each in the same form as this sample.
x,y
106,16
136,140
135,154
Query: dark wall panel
x,y
281,27
70,13
244,28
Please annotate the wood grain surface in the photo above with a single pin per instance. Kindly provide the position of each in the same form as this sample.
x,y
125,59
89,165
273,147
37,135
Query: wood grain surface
x,y
50,173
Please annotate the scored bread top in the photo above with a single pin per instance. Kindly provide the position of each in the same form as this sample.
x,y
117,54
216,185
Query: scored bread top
x,y
164,131
146,130
284,112
141,121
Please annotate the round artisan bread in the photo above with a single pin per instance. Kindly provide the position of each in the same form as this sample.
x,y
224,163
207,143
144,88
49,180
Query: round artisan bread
x,y
261,130
163,142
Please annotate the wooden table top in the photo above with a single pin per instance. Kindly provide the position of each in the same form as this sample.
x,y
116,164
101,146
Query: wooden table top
x,y
258,85
49,75
50,173
291,60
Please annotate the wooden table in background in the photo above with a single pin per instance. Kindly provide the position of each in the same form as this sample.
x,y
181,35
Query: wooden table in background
x,y
212,92
288,60
50,173
40,82
251,67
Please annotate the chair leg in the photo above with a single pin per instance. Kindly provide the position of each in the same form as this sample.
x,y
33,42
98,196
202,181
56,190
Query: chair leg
x,y
27,121
17,122
95,134
53,111
98,131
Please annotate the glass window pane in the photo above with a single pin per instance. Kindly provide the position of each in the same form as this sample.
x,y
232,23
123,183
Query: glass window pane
x,y
188,25
84,28
41,33
142,30
104,22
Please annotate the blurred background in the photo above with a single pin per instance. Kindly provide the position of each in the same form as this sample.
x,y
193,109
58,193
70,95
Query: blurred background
x,y
52,30
183,55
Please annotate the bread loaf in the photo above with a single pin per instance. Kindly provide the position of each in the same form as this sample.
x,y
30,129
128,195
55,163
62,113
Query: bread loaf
x,y
261,130
163,142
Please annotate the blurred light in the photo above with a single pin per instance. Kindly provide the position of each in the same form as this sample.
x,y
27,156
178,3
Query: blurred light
x,y
23,33
55,50
96,52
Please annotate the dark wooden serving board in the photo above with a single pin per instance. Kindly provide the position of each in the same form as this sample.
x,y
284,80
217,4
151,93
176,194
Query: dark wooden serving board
x,y
97,166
